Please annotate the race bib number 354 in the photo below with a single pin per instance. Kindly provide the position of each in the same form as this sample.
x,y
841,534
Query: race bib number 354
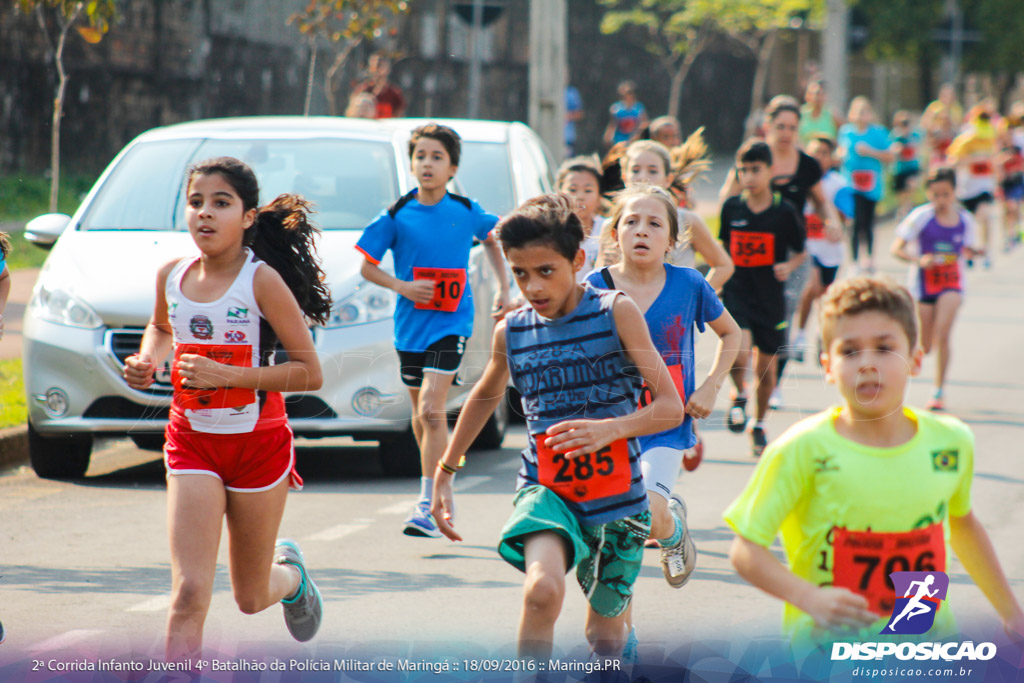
x,y
863,560
752,249
600,474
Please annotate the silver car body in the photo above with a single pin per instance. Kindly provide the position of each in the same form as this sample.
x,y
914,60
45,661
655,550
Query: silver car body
x,y
96,290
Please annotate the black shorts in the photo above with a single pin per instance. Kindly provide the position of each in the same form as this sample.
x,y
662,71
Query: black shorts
x,y
767,336
826,273
972,203
443,357
901,179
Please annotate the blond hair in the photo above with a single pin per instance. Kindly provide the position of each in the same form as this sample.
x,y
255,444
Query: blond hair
x,y
643,190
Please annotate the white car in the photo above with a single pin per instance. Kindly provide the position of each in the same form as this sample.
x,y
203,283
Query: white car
x,y
96,290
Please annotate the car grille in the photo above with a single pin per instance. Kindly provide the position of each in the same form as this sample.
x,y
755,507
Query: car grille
x,y
123,343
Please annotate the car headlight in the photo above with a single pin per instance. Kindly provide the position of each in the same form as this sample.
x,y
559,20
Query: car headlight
x,y
56,305
369,303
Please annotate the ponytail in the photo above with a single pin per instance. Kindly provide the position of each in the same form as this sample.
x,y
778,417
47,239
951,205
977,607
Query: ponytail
x,y
5,244
282,236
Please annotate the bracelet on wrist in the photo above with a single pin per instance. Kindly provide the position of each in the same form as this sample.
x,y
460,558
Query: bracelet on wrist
x,y
445,467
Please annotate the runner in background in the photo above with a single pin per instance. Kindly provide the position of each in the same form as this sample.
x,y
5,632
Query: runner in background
x,y
628,116
936,238
973,154
817,117
1011,174
906,144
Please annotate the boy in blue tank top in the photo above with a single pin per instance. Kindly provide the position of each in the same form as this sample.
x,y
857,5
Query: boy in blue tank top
x,y
577,356
430,232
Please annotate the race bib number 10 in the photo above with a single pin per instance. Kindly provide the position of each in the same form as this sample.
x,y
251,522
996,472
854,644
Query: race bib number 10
x,y
863,560
449,285
600,474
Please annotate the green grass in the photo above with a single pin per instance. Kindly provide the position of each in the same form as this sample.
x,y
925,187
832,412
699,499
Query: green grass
x,y
13,411
23,197
24,254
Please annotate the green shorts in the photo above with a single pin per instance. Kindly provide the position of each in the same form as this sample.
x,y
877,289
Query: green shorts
x,y
607,557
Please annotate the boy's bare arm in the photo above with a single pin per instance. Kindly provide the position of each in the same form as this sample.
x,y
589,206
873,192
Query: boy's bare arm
x,y
579,437
488,392
829,607
420,291
973,547
497,260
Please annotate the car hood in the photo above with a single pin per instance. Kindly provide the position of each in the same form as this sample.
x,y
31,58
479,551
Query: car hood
x,y
114,272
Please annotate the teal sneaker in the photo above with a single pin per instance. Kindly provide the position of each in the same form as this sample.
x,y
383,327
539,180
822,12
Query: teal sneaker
x,y
303,612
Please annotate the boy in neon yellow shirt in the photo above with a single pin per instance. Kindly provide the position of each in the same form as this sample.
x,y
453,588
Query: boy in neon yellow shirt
x,y
865,488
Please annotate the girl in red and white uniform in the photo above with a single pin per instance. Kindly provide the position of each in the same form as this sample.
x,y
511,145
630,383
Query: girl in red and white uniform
x,y
229,450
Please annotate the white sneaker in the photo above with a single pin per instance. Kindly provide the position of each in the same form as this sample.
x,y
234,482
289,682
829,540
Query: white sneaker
x,y
775,400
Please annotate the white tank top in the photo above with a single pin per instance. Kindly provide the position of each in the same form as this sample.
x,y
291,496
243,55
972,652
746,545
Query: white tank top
x,y
229,330
682,253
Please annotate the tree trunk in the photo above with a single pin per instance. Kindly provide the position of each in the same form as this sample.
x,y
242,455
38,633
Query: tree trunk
x,y
763,54
332,72
58,108
309,77
680,72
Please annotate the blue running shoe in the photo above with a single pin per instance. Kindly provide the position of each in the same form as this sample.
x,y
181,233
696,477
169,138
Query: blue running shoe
x,y
303,612
421,522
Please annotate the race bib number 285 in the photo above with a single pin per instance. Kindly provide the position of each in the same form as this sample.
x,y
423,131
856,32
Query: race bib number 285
x,y
600,474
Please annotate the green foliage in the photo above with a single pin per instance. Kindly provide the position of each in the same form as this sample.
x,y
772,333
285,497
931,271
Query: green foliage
x,y
13,411
346,20
901,31
98,13
1001,24
24,197
671,25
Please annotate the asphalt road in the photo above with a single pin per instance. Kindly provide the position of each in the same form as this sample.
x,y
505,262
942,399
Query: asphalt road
x,y
84,565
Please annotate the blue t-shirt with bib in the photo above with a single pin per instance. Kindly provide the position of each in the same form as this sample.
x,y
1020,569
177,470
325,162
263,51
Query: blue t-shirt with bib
x,y
864,173
686,300
433,238
3,263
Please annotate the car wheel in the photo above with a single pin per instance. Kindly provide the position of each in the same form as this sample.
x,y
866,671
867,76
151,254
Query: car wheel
x,y
399,455
493,433
515,405
59,457
149,442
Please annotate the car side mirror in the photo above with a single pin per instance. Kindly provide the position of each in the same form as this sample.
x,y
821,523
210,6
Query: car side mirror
x,y
44,230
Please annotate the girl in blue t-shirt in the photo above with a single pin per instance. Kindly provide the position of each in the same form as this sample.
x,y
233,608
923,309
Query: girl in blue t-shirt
x,y
864,146
674,299
5,278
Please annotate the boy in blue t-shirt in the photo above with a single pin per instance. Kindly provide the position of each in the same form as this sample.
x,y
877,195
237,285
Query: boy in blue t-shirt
x,y
430,232
5,278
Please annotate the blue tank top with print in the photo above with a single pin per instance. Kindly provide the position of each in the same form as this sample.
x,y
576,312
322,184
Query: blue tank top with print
x,y
569,368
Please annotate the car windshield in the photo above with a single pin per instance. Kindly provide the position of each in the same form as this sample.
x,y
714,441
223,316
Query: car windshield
x,y
348,181
484,175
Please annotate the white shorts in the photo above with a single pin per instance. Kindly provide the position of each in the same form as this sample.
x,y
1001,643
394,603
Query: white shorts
x,y
660,466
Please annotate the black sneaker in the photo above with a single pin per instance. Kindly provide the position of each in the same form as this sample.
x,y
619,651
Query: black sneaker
x,y
758,440
2,634
737,418
303,613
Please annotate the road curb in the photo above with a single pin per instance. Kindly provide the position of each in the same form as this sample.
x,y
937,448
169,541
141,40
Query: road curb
x,y
13,446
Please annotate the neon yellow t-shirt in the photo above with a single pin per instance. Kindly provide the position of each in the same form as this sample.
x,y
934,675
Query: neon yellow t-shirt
x,y
812,485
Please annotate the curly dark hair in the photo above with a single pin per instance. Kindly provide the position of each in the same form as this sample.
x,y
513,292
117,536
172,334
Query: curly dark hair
x,y
548,219
282,235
